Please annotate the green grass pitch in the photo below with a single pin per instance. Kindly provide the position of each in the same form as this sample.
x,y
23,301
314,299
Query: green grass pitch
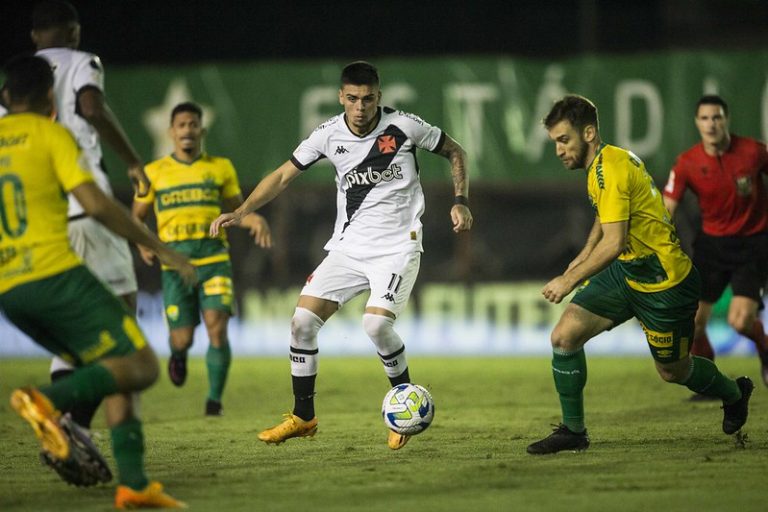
x,y
651,448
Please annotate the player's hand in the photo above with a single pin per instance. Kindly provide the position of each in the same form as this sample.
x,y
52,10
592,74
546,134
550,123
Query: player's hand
x,y
259,229
461,218
147,256
224,221
139,180
557,289
179,263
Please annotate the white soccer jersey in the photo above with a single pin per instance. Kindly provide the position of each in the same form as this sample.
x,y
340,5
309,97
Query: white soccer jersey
x,y
74,71
379,198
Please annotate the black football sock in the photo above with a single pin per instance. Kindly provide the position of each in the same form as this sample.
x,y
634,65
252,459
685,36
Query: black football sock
x,y
304,397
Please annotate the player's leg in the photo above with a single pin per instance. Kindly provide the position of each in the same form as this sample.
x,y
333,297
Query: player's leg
x,y
334,282
108,257
667,318
133,373
218,358
216,300
73,315
714,265
308,318
748,283
391,281
597,306
701,345
182,315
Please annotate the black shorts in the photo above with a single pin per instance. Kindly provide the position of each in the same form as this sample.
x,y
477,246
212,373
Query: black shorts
x,y
741,261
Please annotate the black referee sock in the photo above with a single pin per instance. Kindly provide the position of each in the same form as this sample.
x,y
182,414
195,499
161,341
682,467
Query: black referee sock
x,y
304,397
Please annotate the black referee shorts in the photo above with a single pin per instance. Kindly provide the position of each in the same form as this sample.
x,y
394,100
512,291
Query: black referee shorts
x,y
741,261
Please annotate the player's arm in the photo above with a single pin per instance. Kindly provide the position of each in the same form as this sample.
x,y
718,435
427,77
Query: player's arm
x,y
595,234
268,188
608,248
115,218
461,216
256,224
671,205
139,211
93,108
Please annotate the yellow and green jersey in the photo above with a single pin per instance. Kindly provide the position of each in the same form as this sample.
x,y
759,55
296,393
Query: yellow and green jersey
x,y
39,163
620,189
187,198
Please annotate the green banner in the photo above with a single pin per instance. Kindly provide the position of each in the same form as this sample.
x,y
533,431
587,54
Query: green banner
x,y
258,112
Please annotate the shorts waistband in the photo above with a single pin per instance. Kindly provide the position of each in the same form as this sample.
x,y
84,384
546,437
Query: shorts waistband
x,y
78,217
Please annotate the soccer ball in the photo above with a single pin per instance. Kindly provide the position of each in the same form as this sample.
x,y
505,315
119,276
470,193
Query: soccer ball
x,y
408,409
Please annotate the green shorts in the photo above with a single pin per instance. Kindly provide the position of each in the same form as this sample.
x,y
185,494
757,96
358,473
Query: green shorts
x,y
666,316
74,316
183,303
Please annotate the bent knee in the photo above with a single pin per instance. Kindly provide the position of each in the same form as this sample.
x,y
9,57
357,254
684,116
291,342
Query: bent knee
x,y
563,340
305,326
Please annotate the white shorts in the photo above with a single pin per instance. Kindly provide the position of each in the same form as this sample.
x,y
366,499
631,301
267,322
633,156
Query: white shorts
x,y
105,254
340,278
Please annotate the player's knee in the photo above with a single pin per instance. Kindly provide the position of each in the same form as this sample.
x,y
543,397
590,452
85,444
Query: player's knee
x,y
304,328
147,369
676,372
381,331
741,323
376,326
563,340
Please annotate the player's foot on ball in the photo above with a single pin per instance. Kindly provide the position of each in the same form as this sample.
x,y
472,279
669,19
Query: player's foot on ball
x,y
85,465
177,369
152,496
39,412
735,414
213,408
292,426
562,438
396,441
698,397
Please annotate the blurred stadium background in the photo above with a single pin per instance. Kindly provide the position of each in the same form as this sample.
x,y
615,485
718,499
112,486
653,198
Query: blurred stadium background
x,y
266,74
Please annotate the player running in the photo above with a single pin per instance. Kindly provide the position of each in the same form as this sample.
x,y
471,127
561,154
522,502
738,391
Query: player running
x,y
631,266
188,189
725,172
80,106
377,240
48,293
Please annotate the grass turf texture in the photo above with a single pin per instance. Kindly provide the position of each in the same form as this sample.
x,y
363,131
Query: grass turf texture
x,y
651,448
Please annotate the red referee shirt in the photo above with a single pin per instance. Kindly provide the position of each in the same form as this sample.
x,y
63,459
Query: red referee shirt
x,y
730,189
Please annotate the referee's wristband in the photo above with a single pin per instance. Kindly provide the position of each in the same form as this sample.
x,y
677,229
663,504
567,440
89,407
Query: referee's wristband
x,y
461,200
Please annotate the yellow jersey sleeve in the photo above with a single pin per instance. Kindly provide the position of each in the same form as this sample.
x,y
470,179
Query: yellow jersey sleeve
x,y
613,200
231,185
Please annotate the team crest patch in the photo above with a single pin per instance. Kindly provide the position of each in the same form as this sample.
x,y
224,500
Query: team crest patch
x,y
387,144
172,312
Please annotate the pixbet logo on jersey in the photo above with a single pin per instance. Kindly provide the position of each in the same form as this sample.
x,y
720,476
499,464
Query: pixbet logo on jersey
x,y
372,177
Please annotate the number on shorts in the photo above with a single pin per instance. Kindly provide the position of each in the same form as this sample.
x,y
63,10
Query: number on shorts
x,y
394,283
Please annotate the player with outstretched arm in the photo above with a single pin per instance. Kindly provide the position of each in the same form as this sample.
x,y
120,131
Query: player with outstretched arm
x,y
377,240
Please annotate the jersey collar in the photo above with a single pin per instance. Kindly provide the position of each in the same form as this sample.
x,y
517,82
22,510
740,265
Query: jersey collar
x,y
182,162
599,150
378,120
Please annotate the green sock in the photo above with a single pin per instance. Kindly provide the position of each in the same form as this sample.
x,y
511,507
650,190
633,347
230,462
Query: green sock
x,y
85,385
128,447
570,372
217,360
706,379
